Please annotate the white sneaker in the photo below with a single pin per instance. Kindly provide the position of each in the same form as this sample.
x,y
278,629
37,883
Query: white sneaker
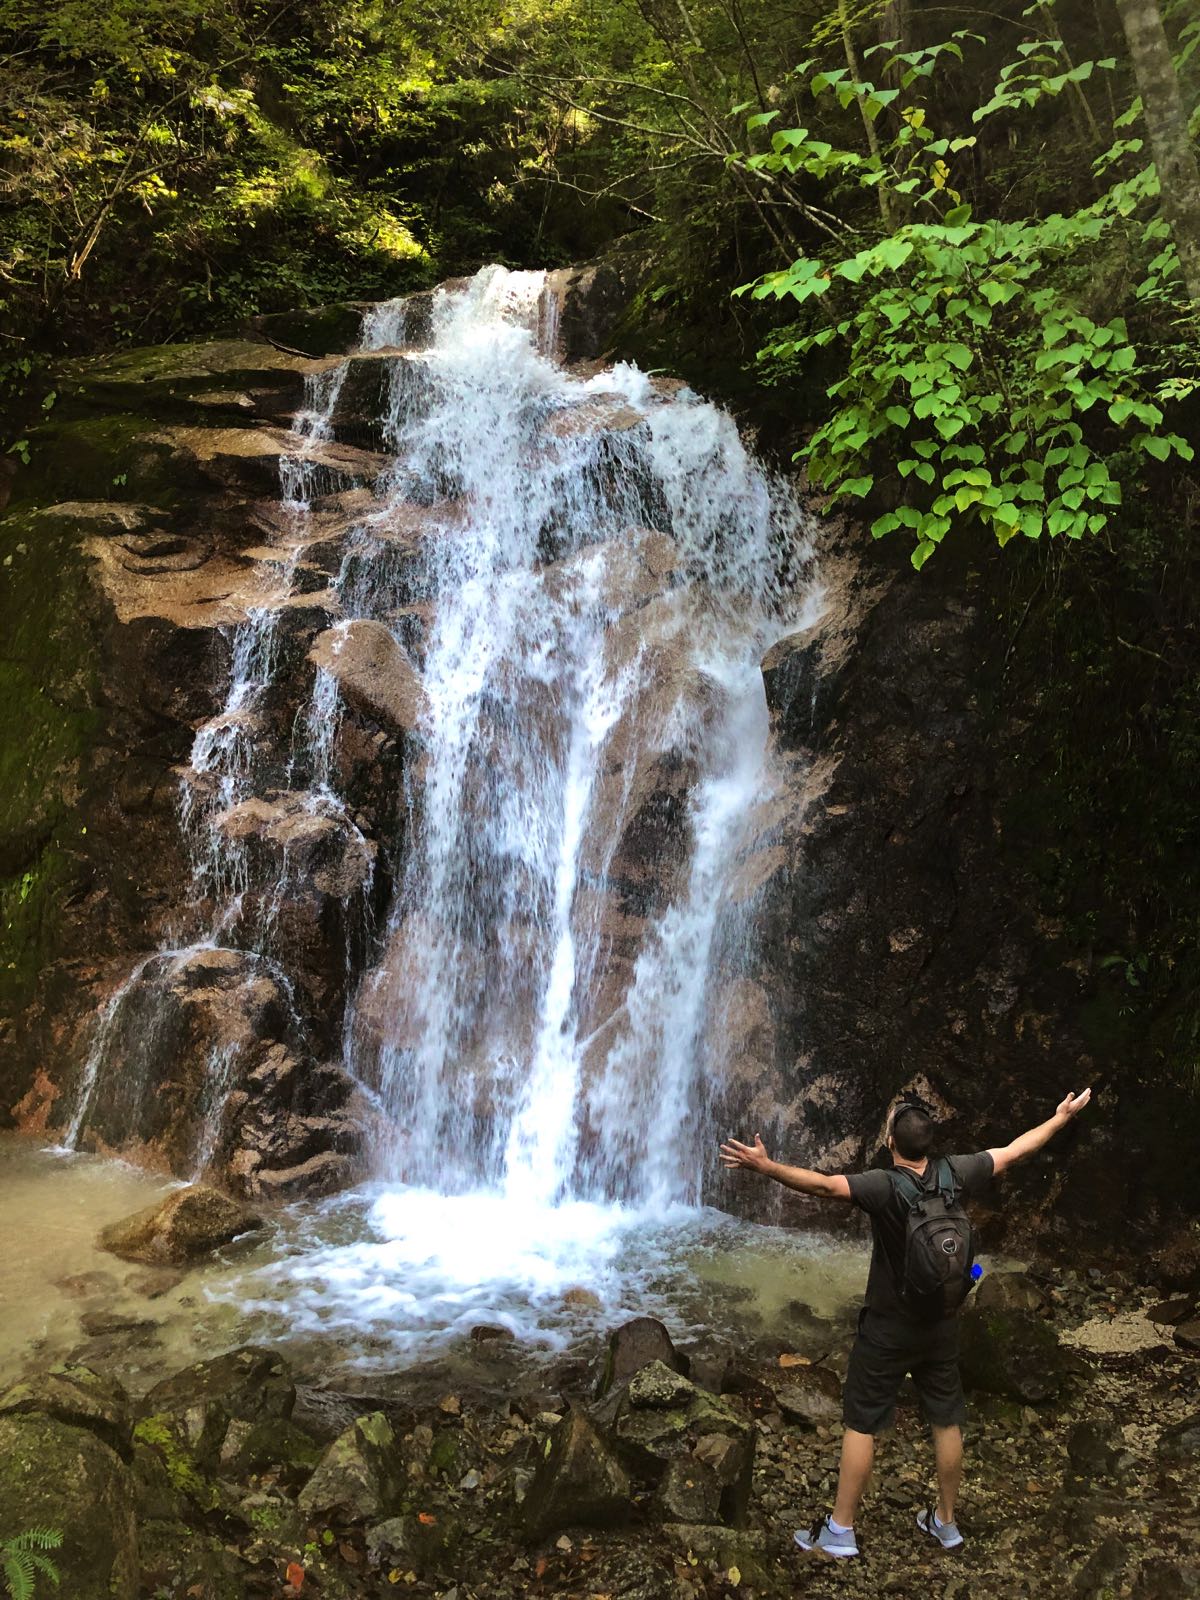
x,y
946,1533
822,1537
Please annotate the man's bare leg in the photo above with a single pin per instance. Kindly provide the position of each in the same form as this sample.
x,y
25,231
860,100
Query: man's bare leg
x,y
948,1453
858,1452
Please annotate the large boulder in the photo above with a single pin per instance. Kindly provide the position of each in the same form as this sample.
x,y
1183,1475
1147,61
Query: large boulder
x,y
579,1482
188,1225
359,1478
1013,1354
249,1386
66,1479
663,1418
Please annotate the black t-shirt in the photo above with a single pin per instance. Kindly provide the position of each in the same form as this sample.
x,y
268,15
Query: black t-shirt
x,y
879,1194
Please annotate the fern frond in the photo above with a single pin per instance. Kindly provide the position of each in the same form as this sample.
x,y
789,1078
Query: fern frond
x,y
44,1564
18,1573
21,1561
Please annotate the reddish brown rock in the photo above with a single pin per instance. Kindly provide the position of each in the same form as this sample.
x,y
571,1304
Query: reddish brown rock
x,y
185,1227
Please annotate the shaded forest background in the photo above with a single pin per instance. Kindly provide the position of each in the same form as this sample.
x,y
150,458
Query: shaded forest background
x,y
171,167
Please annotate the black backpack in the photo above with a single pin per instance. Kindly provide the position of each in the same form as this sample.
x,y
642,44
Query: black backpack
x,y
939,1248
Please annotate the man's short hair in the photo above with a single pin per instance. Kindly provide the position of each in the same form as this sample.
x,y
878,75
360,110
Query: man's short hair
x,y
912,1130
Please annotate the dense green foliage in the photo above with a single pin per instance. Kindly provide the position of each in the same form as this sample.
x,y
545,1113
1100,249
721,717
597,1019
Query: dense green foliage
x,y
968,299
980,375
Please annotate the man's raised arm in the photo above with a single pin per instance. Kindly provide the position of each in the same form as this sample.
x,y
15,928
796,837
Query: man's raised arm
x,y
1028,1143
755,1159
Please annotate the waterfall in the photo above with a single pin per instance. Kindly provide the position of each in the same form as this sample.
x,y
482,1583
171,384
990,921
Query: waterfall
x,y
573,577
601,557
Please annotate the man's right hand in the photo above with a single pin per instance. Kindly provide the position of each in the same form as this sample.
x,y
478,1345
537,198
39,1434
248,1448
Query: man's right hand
x,y
1073,1104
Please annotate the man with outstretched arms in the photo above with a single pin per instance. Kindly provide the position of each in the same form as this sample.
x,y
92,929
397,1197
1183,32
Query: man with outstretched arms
x,y
920,1273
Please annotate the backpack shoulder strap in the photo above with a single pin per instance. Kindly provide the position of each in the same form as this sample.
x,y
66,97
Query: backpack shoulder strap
x,y
909,1184
948,1179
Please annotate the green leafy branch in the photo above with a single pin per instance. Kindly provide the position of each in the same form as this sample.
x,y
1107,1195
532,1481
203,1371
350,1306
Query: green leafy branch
x,y
967,363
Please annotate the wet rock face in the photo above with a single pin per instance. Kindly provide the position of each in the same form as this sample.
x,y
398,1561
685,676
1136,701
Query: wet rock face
x,y
191,441
911,952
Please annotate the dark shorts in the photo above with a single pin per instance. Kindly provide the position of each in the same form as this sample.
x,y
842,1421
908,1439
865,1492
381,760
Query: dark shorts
x,y
886,1351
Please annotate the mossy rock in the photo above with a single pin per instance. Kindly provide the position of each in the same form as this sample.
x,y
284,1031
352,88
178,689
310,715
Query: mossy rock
x,y
78,1397
276,1445
99,457
447,1457
48,701
178,380
64,1478
1013,1354
317,331
183,1460
406,1542
359,1476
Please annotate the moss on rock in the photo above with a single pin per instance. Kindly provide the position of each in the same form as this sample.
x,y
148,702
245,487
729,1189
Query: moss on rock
x,y
163,1434
56,1476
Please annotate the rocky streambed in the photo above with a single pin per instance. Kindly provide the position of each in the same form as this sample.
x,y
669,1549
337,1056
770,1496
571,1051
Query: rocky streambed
x,y
635,1467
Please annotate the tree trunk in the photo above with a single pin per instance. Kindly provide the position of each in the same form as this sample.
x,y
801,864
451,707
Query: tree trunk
x,y
1166,122
881,190
895,22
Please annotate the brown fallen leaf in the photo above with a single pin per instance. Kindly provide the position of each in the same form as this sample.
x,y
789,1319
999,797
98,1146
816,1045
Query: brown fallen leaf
x,y
295,1575
427,1517
787,1359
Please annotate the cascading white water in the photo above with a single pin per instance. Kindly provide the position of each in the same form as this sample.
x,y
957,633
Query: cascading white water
x,y
225,767
557,703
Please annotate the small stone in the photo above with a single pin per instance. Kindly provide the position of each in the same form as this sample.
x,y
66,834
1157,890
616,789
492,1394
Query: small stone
x,y
1187,1335
451,1405
98,1323
469,1480
564,1544
85,1285
153,1284
579,1299
660,1386
492,1333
